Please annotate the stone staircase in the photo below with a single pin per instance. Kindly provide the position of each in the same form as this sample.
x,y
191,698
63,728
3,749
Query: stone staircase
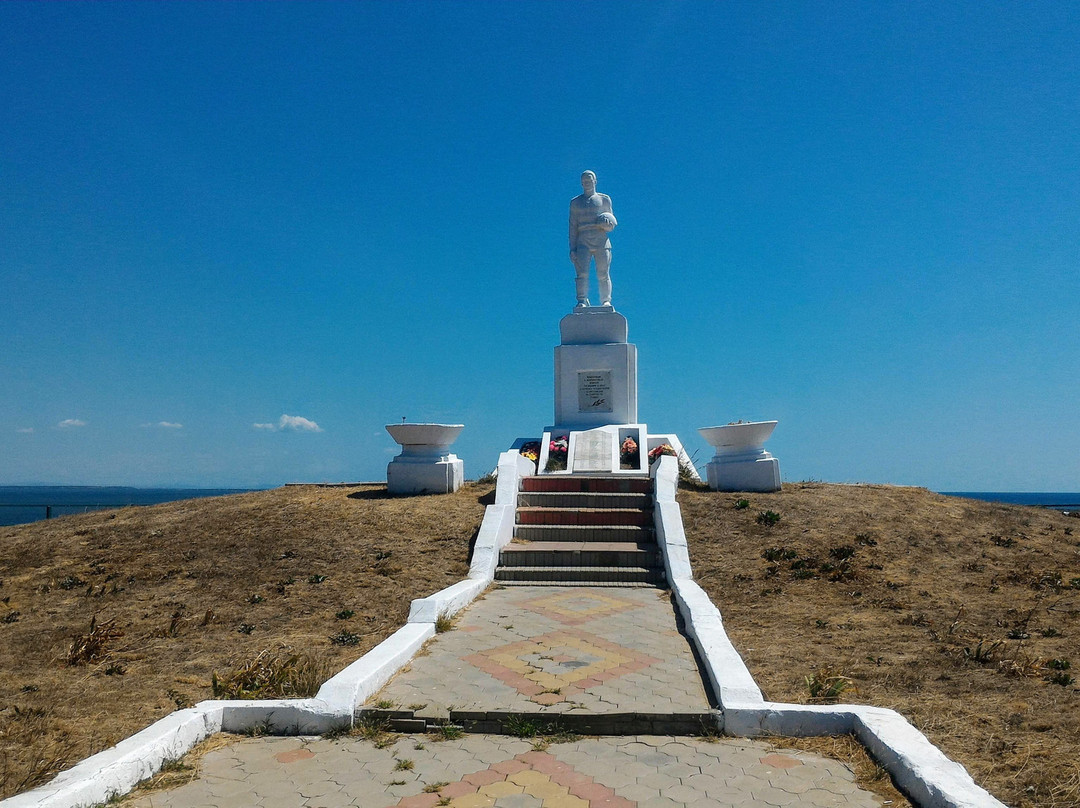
x,y
583,530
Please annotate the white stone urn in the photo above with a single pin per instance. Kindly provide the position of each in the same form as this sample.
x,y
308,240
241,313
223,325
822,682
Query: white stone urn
x,y
422,442
425,465
741,462
732,439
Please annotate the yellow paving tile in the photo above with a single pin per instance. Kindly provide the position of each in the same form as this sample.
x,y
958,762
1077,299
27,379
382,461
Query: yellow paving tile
x,y
503,789
565,801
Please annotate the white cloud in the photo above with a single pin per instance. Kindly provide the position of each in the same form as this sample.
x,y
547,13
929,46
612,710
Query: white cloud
x,y
298,423
68,423
295,423
27,431
166,425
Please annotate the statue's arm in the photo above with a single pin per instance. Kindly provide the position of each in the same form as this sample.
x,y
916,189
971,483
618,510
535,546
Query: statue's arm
x,y
573,229
607,207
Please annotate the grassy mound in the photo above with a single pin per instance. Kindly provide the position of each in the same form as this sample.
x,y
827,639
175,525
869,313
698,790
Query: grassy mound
x,y
111,620
962,615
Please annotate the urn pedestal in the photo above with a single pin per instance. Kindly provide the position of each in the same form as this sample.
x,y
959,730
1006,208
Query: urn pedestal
x,y
425,465
741,462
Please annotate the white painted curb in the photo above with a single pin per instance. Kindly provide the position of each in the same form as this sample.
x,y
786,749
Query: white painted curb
x,y
119,769
352,687
918,767
99,777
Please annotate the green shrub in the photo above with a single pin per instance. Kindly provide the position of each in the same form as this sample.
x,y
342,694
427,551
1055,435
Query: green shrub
x,y
768,518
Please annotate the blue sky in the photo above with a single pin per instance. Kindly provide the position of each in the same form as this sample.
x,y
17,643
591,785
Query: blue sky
x,y
860,219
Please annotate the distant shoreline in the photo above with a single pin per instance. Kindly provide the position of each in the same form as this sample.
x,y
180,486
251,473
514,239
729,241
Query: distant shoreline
x,y
24,504
1055,500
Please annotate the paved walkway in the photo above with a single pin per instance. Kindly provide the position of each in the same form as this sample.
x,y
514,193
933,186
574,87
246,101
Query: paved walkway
x,y
582,658
496,770
590,657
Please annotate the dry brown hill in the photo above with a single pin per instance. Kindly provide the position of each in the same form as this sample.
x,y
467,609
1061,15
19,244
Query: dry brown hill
x,y
960,614
189,588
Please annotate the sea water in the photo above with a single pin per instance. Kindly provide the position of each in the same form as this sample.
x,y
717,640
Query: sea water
x,y
20,504
1054,500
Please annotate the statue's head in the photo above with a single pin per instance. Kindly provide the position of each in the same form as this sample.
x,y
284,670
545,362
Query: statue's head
x,y
588,181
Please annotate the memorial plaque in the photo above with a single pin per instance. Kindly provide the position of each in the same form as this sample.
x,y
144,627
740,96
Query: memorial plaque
x,y
594,391
592,451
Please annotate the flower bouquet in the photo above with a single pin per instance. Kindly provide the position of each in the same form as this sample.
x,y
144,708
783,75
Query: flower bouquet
x,y
531,450
659,451
557,451
629,455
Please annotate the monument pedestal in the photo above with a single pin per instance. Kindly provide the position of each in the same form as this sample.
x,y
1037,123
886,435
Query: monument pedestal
x,y
442,475
760,472
595,370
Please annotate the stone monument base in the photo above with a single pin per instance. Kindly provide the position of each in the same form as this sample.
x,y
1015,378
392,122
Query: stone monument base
x,y
759,472
429,476
595,370
597,451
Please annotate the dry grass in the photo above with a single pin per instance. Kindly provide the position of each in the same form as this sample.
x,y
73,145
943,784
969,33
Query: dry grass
x,y
272,676
959,614
147,604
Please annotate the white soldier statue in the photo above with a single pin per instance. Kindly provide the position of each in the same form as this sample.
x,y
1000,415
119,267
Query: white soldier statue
x,y
591,220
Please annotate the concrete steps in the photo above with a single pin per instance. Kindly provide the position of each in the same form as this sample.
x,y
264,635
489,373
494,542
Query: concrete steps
x,y
583,530
579,533
585,499
582,554
587,483
583,576
573,515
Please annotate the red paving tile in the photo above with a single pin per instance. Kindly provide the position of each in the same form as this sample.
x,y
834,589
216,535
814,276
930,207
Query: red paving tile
x,y
778,761
461,788
293,755
510,766
483,777
419,801
590,791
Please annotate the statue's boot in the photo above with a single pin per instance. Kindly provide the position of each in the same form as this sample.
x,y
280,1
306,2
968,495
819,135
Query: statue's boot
x,y
605,291
583,290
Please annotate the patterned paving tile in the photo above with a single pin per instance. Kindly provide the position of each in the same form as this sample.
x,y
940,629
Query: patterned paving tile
x,y
557,650
549,783
572,608
551,667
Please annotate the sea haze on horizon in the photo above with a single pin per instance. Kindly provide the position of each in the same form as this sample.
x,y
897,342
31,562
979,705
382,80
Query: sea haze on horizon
x,y
22,504
1042,499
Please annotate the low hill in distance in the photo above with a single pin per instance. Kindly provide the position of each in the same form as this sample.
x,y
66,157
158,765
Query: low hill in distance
x,y
962,615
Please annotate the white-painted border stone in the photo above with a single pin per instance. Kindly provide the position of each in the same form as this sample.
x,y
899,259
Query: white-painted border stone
x,y
114,771
117,770
918,767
